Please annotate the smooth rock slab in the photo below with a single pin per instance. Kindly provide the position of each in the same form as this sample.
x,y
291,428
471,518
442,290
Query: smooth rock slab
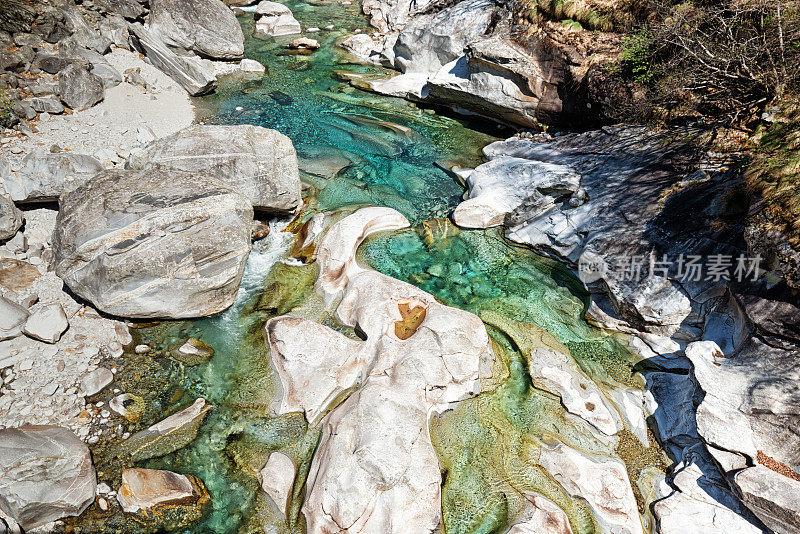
x,y
12,319
541,516
507,185
375,468
169,435
153,243
257,162
277,477
95,381
560,375
47,323
196,77
207,27
43,176
771,496
360,45
603,482
46,473
149,489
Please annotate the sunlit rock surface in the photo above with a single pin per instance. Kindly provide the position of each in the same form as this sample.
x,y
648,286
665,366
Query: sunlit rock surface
x,y
206,27
46,473
385,419
153,243
260,164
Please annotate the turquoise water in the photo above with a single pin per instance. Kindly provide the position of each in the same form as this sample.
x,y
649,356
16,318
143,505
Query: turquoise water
x,y
359,149
395,150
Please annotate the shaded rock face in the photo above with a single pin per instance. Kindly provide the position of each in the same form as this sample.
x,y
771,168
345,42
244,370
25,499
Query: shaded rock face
x,y
646,198
260,164
80,89
46,473
43,176
196,77
207,27
10,219
463,58
130,9
700,500
403,378
497,79
153,243
623,181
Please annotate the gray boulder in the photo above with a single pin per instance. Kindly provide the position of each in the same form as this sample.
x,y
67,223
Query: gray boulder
x,y
259,163
10,219
50,63
46,473
83,34
130,9
47,104
196,77
499,79
207,27
152,243
12,319
43,176
80,89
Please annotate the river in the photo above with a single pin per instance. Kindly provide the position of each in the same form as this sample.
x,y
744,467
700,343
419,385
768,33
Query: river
x,y
360,149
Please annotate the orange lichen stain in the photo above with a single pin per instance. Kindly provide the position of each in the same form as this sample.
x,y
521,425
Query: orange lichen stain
x,y
411,319
778,467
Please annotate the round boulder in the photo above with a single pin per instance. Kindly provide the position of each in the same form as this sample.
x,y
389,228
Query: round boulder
x,y
152,243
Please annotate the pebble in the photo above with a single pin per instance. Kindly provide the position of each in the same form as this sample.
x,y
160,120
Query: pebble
x,y
16,150
50,388
102,503
141,349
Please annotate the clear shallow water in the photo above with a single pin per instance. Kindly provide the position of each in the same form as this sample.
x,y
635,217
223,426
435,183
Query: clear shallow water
x,y
361,149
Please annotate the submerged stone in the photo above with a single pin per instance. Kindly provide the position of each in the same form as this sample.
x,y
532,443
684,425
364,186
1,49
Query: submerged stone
x,y
169,435
193,352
